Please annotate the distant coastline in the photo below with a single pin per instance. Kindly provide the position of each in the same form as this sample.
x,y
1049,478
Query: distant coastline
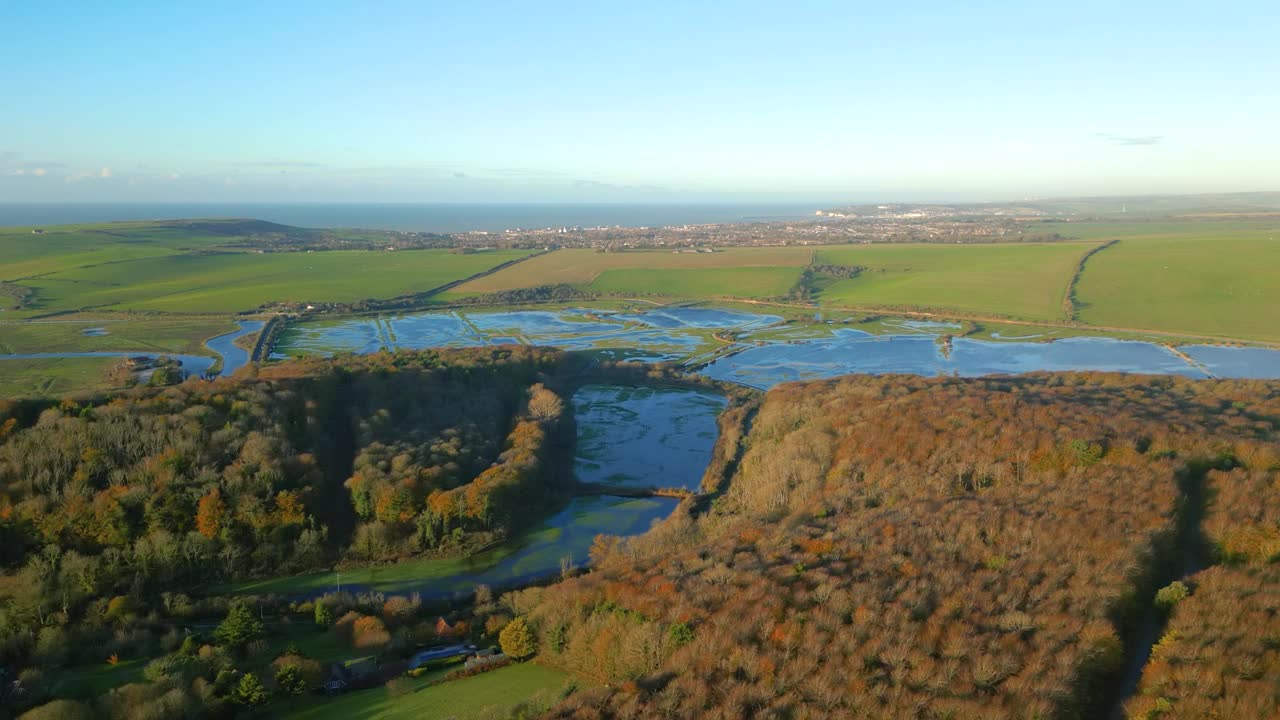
x,y
438,218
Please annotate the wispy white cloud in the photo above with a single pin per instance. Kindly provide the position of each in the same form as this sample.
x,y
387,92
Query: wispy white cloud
x,y
1131,139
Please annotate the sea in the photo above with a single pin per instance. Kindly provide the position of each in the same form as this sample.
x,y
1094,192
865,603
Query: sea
x,y
425,217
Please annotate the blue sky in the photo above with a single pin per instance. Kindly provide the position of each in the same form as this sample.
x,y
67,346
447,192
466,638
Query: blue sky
x,y
654,101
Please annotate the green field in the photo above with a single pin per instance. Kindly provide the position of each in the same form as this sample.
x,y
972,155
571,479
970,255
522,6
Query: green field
x,y
749,282
24,254
53,376
123,333
198,267
1222,281
583,267
1020,280
235,282
1026,281
474,697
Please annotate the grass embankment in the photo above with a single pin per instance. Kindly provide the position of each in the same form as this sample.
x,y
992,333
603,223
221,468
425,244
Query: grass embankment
x,y
478,696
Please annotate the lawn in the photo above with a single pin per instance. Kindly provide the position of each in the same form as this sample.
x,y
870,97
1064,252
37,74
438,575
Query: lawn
x,y
91,681
750,282
24,254
113,333
54,376
234,282
473,697
1223,280
582,267
1019,280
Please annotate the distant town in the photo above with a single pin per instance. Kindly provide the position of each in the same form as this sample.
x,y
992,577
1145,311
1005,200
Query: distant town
x,y
1031,221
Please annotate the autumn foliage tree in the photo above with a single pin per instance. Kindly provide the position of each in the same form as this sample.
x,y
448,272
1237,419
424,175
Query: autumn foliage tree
x,y
209,514
517,640
904,547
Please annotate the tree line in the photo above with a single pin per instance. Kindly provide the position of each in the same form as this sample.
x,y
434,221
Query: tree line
x,y
119,500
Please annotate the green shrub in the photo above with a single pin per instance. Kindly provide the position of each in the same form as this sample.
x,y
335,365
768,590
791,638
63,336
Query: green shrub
x,y
1171,594
680,633
239,628
289,680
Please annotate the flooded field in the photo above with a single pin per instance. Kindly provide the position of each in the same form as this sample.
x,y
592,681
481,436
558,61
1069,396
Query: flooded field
x,y
653,335
770,351
850,351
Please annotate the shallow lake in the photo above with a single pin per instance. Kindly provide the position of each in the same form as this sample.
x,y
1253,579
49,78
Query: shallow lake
x,y
1237,362
644,437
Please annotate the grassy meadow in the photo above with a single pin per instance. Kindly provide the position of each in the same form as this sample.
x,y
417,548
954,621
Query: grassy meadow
x,y
236,282
54,376
25,254
748,282
1022,280
125,333
583,267
1222,281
